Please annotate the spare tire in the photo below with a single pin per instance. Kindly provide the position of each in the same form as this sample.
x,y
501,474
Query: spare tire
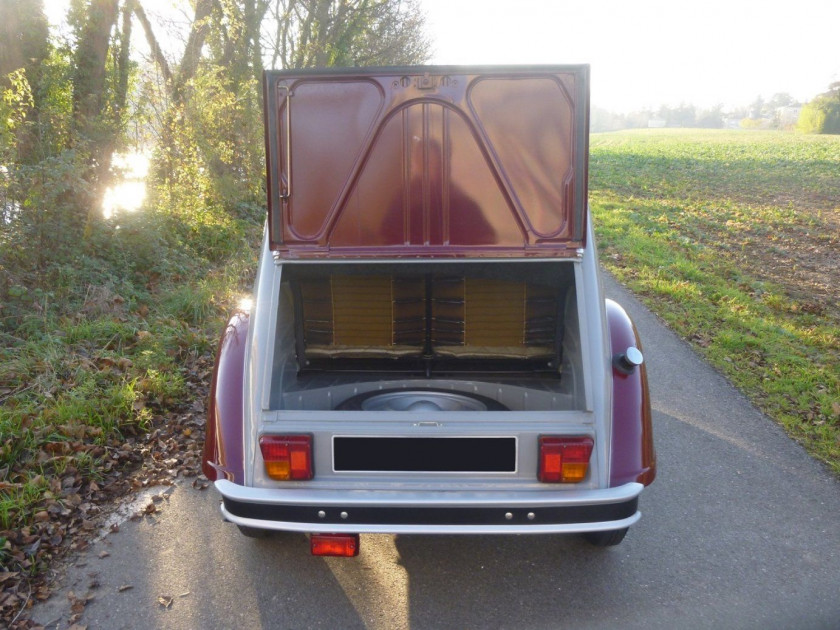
x,y
420,399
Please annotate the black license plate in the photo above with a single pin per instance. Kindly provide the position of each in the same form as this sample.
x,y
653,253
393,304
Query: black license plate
x,y
434,455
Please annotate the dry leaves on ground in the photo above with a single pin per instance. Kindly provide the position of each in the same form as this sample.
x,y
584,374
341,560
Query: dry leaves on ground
x,y
75,507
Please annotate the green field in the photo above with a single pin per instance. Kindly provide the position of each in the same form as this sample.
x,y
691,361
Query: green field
x,y
733,238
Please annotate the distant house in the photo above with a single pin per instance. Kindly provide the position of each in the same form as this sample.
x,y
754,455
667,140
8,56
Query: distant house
x,y
656,123
788,116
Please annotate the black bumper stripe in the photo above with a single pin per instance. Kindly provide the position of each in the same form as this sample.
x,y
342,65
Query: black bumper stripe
x,y
434,515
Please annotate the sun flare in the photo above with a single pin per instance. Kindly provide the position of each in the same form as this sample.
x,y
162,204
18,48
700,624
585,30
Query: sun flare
x,y
128,193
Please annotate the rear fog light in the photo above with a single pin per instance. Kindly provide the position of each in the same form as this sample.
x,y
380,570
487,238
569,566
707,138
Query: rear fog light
x,y
341,545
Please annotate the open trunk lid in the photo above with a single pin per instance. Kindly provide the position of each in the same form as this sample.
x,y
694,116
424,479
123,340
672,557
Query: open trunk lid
x,y
427,161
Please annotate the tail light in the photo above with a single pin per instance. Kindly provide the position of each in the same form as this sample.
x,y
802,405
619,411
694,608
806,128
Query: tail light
x,y
287,457
342,545
564,459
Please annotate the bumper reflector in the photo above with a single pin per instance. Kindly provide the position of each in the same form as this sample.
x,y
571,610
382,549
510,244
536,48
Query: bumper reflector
x,y
564,459
287,457
341,545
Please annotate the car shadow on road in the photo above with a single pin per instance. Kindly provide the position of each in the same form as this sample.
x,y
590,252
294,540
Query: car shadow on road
x,y
504,581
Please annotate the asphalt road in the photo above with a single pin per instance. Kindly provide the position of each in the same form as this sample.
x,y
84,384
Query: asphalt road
x,y
740,530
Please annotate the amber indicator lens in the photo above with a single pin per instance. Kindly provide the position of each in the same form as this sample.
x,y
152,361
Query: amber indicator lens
x,y
564,459
287,457
342,545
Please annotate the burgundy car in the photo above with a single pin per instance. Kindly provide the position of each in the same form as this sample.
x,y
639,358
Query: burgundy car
x,y
429,349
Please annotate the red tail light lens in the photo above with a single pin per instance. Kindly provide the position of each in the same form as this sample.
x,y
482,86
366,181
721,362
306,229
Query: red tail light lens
x,y
342,545
287,457
564,459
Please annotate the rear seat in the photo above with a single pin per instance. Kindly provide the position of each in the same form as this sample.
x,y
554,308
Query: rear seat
x,y
399,316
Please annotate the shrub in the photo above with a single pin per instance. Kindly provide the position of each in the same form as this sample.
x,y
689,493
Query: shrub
x,y
822,115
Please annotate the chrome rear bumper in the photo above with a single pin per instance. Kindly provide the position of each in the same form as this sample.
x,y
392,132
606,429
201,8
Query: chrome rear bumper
x,y
438,512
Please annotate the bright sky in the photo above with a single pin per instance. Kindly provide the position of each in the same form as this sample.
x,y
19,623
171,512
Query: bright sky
x,y
643,53
653,52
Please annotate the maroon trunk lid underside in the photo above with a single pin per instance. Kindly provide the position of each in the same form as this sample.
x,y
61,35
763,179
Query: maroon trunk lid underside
x,y
427,162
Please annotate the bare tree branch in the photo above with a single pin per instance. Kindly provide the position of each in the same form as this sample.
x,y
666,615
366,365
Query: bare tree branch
x,y
157,52
192,53
309,33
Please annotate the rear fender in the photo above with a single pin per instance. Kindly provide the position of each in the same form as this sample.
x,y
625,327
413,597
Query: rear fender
x,y
223,455
632,455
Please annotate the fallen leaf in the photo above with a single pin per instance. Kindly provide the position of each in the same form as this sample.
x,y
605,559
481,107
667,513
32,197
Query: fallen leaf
x,y
165,601
104,554
8,575
124,587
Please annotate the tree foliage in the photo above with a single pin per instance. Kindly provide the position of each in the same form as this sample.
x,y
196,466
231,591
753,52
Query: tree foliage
x,y
683,115
318,33
760,114
68,104
24,32
38,169
822,115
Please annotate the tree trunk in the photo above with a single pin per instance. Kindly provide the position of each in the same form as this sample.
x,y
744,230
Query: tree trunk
x,y
94,130
124,61
255,11
91,56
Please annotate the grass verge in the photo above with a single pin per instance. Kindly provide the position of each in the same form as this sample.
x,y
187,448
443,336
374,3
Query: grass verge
x,y
733,238
101,360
